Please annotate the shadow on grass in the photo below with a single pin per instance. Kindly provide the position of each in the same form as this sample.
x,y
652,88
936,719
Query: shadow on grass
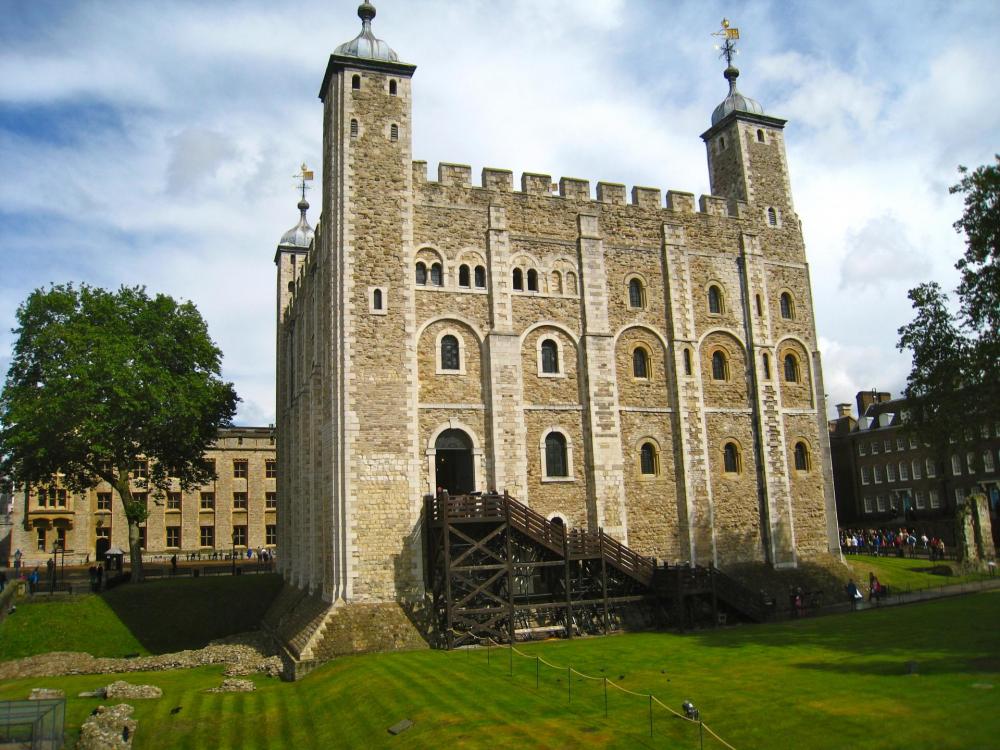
x,y
186,613
902,667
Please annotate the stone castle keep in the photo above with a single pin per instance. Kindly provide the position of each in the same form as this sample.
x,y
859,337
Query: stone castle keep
x,y
638,363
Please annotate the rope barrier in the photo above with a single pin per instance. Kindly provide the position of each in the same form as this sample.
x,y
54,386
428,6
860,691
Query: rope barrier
x,y
570,671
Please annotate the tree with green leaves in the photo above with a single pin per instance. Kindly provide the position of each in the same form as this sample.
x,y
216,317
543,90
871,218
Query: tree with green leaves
x,y
954,384
100,380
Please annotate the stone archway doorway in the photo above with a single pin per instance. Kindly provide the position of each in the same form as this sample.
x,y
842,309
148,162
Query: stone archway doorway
x,y
453,462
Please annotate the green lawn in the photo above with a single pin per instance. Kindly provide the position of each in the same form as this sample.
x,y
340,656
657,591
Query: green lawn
x,y
832,682
908,573
153,617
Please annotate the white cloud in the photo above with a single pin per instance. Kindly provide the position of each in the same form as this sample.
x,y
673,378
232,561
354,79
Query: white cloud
x,y
880,255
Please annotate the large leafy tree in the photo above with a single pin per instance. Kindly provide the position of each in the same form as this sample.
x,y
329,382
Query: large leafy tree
x,y
100,380
954,383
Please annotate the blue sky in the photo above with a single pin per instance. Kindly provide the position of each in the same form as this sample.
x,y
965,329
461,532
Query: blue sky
x,y
153,143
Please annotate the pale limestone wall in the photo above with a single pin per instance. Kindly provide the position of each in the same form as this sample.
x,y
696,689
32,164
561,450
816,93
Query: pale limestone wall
x,y
364,415
81,517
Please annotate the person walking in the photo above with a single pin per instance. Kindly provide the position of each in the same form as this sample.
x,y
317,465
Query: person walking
x,y
173,565
33,581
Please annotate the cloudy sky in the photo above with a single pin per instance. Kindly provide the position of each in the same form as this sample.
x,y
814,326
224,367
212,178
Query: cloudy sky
x,y
144,142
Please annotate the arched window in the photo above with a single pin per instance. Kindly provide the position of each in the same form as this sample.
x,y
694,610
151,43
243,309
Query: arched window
x,y
556,283
687,361
767,367
791,368
787,309
421,273
449,353
715,300
760,136
570,282
518,279
392,88
772,217
640,363
356,82
731,458
801,456
480,277
719,367
636,294
377,299
437,278
555,455
394,132
291,286
760,306
354,128
648,463
550,356
532,280
463,275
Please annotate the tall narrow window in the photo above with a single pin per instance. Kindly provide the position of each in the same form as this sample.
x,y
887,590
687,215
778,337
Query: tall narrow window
x,y
715,300
719,366
772,217
571,289
731,458
556,287
760,306
354,128
791,368
760,136
421,274
532,280
392,88
767,367
687,361
463,275
480,277
555,455
787,311
394,132
437,278
647,460
801,457
449,353
640,363
518,279
377,299
550,356
636,297
356,82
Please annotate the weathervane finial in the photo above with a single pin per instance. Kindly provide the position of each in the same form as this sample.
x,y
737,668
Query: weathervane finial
x,y
728,48
304,175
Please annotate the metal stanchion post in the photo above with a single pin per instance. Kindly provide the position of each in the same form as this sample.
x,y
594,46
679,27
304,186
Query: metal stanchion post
x,y
536,673
605,697
487,650
510,663
650,714
569,682
701,733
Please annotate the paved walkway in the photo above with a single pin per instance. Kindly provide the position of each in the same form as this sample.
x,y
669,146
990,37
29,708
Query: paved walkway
x,y
921,595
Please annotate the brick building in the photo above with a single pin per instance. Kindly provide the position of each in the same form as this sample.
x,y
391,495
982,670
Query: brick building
x,y
239,507
644,365
883,476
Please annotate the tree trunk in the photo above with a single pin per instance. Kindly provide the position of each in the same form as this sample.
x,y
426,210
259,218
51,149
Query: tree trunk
x,y
134,551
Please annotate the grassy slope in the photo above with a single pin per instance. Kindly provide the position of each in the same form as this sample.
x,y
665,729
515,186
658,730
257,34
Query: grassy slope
x,y
908,574
153,617
830,682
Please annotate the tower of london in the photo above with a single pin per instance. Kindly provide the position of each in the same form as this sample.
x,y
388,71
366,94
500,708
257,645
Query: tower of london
x,y
626,359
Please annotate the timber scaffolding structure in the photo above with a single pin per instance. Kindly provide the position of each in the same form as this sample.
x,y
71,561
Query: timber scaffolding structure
x,y
498,569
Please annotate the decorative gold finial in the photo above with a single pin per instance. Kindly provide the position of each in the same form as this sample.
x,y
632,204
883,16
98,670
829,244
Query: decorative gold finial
x,y
304,175
728,48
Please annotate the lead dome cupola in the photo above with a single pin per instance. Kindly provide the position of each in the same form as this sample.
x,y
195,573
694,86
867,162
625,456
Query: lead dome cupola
x,y
365,44
735,101
301,235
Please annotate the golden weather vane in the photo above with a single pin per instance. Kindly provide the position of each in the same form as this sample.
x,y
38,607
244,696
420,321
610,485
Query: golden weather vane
x,y
728,47
304,175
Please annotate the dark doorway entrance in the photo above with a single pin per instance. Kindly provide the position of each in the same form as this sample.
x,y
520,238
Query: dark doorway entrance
x,y
101,548
453,462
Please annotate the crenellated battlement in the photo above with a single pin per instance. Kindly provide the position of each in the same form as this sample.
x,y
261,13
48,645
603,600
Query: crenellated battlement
x,y
578,190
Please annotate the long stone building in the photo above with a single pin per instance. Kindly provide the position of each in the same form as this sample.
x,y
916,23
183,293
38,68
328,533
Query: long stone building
x,y
624,360
237,509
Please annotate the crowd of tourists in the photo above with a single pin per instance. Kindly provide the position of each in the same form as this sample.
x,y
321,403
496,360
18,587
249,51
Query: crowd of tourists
x,y
900,542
